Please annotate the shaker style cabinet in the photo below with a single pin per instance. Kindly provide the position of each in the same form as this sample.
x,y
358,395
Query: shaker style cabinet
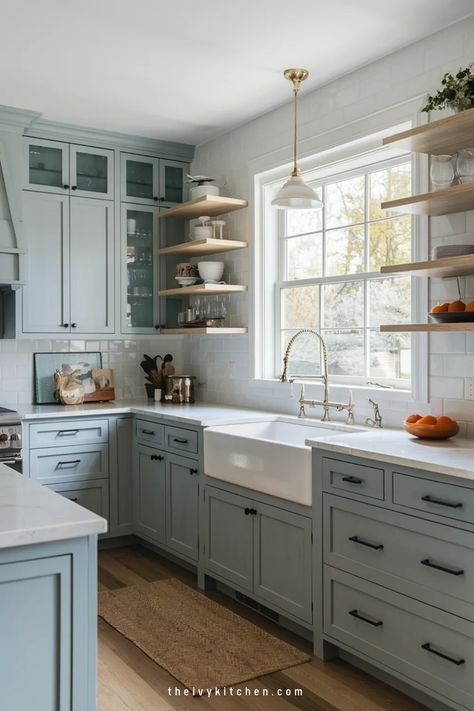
x,y
140,275
150,497
69,265
67,169
148,181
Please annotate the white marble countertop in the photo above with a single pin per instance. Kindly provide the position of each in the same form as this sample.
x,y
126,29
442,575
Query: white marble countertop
x,y
200,414
453,456
31,513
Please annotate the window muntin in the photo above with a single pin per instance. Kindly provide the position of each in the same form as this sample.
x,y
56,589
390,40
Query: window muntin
x,y
330,276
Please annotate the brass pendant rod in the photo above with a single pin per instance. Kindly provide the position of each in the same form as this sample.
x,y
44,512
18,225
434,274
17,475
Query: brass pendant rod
x,y
295,163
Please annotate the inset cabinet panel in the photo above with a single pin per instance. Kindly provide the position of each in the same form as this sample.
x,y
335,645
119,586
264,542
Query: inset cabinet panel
x,y
47,166
139,179
92,172
150,497
172,175
182,505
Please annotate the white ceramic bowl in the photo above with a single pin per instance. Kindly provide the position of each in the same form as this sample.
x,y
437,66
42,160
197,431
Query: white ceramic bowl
x,y
211,271
186,281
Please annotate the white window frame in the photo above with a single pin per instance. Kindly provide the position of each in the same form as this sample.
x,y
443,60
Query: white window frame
x,y
267,259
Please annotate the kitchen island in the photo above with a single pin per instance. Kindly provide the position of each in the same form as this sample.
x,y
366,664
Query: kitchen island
x,y
48,598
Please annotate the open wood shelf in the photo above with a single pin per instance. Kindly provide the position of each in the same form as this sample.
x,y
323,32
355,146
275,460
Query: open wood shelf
x,y
203,289
427,327
444,267
211,205
457,198
204,246
443,137
202,331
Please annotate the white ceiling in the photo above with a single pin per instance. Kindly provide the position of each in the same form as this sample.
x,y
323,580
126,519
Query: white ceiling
x,y
187,70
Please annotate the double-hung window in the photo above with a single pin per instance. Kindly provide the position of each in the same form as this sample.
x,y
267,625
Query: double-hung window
x,y
329,276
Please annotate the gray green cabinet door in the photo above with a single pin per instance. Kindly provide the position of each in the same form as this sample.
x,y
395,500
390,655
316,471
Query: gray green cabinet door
x,y
139,179
282,560
229,539
92,495
91,172
121,479
150,493
46,166
36,625
182,505
172,175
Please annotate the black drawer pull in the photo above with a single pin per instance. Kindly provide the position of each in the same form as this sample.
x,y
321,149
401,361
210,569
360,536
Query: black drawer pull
x,y
67,433
72,499
148,432
73,462
436,566
156,458
375,546
180,441
429,648
250,512
374,623
352,479
193,471
441,502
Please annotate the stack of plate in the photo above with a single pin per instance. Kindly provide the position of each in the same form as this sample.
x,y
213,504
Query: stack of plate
x,y
452,250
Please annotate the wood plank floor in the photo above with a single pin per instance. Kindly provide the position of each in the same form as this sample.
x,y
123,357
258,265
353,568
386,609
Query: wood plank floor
x,y
130,681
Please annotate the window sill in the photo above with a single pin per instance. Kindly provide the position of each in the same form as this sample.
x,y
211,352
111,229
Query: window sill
x,y
315,390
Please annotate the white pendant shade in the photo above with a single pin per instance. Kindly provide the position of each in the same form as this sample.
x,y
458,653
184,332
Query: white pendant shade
x,y
296,195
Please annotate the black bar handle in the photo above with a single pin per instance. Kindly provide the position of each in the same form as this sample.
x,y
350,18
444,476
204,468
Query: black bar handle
x,y
179,440
148,432
73,499
71,461
352,479
436,566
453,660
441,502
375,546
67,433
374,623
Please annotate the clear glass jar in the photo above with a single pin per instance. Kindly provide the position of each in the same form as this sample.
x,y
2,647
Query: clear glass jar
x,y
441,172
465,165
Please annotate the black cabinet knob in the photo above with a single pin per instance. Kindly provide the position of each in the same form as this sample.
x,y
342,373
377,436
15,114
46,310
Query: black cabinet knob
x,y
162,199
155,198
157,326
73,325
250,512
156,458
66,187
193,471
73,187
64,325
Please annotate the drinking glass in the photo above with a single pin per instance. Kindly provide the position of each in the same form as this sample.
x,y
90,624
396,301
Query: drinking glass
x,y
441,172
465,165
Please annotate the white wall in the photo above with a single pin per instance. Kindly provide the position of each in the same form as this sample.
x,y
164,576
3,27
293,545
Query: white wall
x,y
352,106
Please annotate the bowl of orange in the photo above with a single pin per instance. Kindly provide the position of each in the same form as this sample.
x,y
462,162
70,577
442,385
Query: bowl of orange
x,y
430,427
454,312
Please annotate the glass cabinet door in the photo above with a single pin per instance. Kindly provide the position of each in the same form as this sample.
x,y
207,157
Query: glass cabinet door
x,y
172,174
140,270
139,179
92,173
47,166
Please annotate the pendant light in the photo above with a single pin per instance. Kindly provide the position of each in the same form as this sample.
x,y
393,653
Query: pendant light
x,y
295,194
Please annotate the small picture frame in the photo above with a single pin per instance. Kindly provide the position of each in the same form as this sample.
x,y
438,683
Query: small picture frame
x,y
46,364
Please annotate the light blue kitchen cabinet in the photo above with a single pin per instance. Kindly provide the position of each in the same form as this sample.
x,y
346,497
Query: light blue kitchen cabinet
x,y
53,166
146,180
121,476
182,505
150,494
48,621
92,495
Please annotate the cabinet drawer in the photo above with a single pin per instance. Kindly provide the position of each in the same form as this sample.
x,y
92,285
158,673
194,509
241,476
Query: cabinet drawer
x,y
92,495
181,440
425,644
61,434
149,433
434,497
402,552
68,464
354,478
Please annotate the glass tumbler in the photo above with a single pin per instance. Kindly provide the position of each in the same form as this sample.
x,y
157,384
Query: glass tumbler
x,y
465,165
441,172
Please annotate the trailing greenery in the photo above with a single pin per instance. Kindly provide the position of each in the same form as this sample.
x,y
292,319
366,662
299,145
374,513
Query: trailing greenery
x,y
457,92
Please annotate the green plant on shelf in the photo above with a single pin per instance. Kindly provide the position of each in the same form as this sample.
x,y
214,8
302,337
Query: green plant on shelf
x,y
457,92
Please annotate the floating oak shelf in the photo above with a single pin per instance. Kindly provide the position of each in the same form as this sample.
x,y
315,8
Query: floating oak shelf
x,y
445,267
457,198
199,247
211,205
202,331
428,327
443,137
203,289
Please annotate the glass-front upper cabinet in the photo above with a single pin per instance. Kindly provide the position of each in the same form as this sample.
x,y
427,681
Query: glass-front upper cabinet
x,y
140,275
92,172
54,167
47,166
147,181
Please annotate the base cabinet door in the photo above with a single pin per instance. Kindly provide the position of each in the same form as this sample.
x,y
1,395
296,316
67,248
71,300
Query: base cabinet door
x,y
121,479
282,560
229,539
92,495
36,634
182,505
150,497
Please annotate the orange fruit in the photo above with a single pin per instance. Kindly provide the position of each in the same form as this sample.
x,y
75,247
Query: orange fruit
x,y
440,308
457,306
413,418
470,306
443,420
427,420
